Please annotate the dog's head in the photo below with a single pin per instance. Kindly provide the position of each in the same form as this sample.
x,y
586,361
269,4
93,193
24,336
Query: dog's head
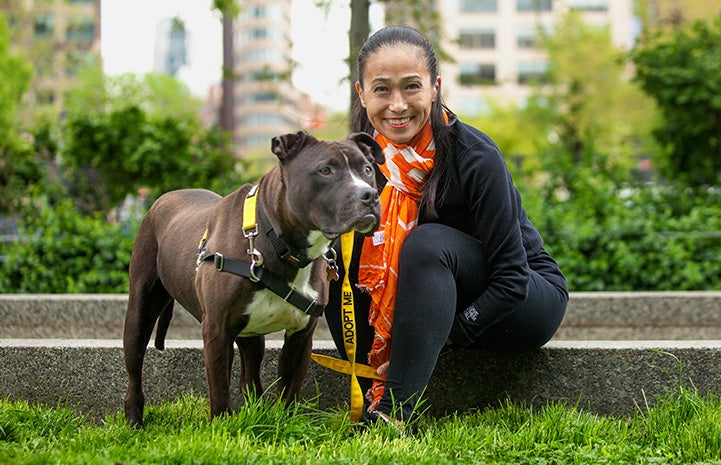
x,y
331,185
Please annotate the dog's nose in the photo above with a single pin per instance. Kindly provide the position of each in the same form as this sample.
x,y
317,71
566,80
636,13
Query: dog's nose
x,y
368,195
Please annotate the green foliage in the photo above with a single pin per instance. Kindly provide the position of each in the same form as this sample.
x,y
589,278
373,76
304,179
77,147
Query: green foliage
x,y
15,72
609,238
18,168
682,72
63,251
594,110
111,155
681,427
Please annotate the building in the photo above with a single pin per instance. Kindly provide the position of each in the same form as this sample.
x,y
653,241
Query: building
x,y
266,103
60,38
493,44
170,46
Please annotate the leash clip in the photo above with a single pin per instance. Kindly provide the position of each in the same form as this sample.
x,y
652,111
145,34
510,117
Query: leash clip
x,y
256,259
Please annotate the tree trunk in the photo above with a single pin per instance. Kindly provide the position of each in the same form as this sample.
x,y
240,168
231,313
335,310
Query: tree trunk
x,y
227,119
359,31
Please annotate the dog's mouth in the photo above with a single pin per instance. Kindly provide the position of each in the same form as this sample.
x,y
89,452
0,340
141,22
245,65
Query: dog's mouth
x,y
365,225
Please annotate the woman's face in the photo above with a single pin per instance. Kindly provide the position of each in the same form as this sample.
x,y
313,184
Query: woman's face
x,y
397,91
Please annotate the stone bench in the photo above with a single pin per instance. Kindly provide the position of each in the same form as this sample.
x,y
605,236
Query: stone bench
x,y
604,377
67,347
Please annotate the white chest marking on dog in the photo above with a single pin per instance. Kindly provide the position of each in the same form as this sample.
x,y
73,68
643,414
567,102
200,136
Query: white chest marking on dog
x,y
269,313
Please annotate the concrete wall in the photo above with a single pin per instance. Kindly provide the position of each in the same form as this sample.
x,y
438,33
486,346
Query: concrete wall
x,y
68,349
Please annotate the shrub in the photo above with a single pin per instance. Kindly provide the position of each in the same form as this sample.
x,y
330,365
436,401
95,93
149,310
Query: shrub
x,y
63,251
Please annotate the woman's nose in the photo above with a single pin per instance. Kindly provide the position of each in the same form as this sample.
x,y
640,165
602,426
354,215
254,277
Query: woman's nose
x,y
398,103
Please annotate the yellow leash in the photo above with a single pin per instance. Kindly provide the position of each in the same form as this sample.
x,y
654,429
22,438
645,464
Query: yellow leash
x,y
349,367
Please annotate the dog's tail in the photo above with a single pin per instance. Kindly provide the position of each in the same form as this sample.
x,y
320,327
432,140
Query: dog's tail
x,y
162,329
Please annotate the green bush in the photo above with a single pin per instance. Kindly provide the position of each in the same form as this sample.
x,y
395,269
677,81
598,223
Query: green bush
x,y
634,238
63,251
606,238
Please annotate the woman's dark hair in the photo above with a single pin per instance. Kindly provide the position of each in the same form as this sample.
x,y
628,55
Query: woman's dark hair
x,y
434,188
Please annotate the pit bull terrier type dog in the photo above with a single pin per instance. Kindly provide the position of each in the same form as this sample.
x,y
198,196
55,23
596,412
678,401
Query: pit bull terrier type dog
x,y
257,270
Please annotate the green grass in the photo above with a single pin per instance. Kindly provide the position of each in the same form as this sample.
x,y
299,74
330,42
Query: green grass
x,y
681,428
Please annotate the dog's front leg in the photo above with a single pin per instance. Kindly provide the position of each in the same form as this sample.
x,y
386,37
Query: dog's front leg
x,y
294,361
218,355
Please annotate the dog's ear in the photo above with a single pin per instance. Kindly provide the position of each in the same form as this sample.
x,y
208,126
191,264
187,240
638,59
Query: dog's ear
x,y
288,145
369,146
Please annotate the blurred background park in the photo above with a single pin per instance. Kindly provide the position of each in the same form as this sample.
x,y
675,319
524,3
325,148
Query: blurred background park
x,y
608,113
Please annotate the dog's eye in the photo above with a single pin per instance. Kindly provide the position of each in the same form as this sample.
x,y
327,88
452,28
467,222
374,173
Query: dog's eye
x,y
368,171
325,171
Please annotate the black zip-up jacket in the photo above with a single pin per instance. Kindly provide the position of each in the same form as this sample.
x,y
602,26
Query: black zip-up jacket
x,y
482,201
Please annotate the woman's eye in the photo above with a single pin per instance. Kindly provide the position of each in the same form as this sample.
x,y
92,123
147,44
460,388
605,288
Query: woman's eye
x,y
325,171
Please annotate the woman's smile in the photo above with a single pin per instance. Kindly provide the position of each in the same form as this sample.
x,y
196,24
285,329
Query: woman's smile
x,y
398,123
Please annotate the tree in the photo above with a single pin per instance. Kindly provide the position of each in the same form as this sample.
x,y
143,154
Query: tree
x,y
138,133
682,72
600,117
18,168
229,10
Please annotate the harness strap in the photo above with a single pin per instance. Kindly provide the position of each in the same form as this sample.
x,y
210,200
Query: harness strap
x,y
269,280
293,256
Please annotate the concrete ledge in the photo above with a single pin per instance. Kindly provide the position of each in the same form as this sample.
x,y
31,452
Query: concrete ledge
x,y
590,315
600,376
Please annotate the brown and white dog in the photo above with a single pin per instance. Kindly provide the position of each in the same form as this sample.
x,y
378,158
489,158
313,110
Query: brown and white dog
x,y
231,283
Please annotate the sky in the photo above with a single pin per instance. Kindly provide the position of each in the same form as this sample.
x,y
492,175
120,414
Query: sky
x,y
320,43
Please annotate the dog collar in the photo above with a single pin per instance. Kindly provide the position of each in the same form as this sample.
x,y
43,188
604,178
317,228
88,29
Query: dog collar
x,y
292,255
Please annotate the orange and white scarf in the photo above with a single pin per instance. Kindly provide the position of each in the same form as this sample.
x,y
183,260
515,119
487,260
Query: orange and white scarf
x,y
406,168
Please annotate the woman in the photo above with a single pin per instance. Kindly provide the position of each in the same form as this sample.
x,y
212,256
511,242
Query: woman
x,y
456,262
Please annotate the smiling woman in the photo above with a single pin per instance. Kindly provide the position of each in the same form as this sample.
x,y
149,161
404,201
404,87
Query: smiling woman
x,y
456,262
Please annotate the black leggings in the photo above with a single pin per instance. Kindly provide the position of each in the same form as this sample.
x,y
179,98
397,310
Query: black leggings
x,y
442,271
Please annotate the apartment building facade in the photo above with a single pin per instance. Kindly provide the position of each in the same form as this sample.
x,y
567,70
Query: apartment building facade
x,y
266,103
59,38
494,47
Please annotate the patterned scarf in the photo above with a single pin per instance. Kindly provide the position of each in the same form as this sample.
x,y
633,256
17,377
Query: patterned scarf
x,y
406,168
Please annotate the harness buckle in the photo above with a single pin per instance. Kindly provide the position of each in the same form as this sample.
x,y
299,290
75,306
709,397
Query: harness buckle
x,y
218,261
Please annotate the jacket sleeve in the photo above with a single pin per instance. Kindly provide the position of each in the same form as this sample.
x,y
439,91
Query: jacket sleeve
x,y
494,204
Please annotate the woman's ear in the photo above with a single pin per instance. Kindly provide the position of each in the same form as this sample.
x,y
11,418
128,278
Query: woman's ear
x,y
359,89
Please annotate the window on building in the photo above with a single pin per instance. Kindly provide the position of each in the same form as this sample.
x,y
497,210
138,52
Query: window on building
x,y
77,60
263,55
477,74
534,5
479,6
43,64
80,30
473,106
530,72
526,37
263,119
44,25
477,38
45,96
588,5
